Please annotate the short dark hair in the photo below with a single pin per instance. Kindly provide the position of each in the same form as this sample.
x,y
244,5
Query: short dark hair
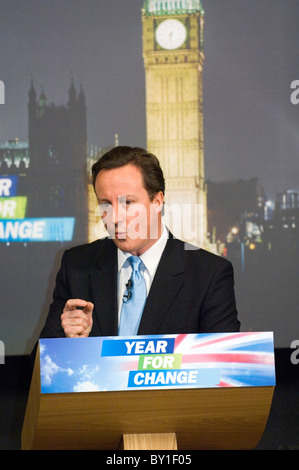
x,y
148,164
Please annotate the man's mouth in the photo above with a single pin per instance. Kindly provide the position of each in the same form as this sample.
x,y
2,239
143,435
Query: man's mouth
x,y
120,235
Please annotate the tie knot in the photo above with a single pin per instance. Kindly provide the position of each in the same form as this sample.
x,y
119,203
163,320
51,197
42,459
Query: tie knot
x,y
135,262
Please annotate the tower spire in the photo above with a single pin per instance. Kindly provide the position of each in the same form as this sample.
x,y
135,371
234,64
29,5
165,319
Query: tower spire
x,y
72,93
32,93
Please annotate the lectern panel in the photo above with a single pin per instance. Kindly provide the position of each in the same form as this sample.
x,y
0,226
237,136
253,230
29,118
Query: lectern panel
x,y
85,395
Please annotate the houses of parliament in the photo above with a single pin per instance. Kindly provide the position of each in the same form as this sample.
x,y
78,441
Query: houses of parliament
x,y
51,167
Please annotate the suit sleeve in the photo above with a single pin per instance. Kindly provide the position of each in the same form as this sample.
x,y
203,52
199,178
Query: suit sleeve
x,y
219,313
52,327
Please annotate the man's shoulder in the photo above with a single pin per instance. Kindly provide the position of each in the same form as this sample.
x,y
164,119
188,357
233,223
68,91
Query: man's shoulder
x,y
197,263
89,251
90,247
199,254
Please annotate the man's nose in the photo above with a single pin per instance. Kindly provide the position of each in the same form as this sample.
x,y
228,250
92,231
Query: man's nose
x,y
119,214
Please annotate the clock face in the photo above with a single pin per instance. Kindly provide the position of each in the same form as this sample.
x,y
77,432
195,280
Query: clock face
x,y
171,34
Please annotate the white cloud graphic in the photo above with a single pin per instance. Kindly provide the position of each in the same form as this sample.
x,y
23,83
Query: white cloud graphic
x,y
49,368
86,386
86,382
88,371
86,374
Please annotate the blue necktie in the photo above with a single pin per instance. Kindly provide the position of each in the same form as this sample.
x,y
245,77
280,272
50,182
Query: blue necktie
x,y
133,300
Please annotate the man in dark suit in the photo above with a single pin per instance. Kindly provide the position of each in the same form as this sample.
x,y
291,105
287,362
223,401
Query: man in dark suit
x,y
187,290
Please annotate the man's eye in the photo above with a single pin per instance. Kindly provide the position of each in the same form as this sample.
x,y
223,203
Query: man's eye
x,y
104,206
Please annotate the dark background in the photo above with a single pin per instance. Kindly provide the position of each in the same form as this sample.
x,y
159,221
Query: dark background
x,y
250,129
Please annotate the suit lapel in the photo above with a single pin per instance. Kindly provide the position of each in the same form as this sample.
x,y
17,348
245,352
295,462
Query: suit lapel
x,y
104,289
167,282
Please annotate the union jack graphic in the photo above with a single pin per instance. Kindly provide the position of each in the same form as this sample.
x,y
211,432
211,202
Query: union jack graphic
x,y
245,359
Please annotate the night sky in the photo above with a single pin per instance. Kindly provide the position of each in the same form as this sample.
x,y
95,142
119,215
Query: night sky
x,y
251,58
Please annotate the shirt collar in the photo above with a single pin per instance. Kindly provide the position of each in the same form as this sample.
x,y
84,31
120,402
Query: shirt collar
x,y
150,257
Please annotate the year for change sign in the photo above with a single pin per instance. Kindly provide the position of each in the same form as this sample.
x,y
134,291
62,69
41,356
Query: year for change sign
x,y
157,362
14,227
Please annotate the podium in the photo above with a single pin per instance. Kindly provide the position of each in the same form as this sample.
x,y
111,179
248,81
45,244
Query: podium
x,y
167,392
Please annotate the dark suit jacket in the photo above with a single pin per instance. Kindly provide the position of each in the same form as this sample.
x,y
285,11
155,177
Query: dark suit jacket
x,y
192,292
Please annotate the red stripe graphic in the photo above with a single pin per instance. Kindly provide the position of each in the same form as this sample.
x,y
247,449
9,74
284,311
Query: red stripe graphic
x,y
246,358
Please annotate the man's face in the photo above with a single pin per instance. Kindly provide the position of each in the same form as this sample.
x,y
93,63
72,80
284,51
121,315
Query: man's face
x,y
132,220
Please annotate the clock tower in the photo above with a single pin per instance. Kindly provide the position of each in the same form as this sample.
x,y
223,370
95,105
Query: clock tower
x,y
173,61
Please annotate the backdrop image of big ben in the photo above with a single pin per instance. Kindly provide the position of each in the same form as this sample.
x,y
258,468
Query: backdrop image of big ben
x,y
173,61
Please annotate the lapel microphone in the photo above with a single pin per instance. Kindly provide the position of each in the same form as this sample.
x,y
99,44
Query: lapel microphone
x,y
127,297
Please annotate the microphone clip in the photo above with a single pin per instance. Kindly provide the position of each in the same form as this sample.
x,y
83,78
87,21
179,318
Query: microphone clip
x,y
127,296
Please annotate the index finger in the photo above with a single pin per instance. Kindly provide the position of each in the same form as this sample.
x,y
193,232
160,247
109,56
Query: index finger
x,y
73,304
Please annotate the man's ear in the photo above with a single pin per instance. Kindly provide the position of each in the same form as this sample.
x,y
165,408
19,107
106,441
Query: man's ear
x,y
158,201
